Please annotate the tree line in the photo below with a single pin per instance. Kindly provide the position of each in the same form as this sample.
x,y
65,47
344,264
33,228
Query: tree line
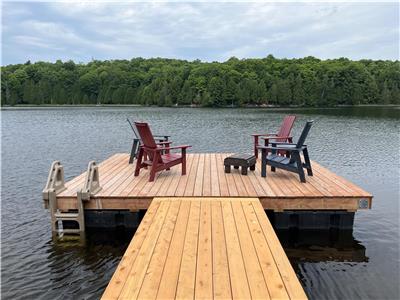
x,y
236,82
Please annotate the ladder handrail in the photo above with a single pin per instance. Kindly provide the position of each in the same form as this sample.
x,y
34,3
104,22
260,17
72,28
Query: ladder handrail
x,y
55,181
91,186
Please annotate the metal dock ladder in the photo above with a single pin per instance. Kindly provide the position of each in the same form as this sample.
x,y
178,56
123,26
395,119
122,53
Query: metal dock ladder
x,y
56,184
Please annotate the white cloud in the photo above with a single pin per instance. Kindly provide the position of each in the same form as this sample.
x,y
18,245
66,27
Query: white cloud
x,y
208,31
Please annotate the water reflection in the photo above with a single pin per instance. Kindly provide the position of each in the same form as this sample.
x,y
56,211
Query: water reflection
x,y
85,263
321,246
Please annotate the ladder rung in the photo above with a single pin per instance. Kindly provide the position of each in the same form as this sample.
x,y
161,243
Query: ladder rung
x,y
69,231
66,215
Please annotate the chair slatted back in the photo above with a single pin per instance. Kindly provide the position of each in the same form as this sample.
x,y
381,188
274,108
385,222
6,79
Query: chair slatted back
x,y
302,138
304,134
286,127
147,138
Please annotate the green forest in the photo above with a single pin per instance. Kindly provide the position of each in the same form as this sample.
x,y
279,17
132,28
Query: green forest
x,y
236,82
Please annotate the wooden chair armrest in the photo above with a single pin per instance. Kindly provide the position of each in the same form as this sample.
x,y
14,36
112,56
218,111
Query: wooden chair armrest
x,y
276,137
283,143
264,134
290,149
172,148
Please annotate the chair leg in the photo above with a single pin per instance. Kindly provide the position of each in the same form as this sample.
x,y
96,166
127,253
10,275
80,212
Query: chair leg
x,y
273,169
183,161
134,150
307,162
139,162
299,164
263,163
154,167
255,146
145,157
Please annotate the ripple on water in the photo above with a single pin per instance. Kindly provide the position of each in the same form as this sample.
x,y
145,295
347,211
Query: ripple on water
x,y
350,142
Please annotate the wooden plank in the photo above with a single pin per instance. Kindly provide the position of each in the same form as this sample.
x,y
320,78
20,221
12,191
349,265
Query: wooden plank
x,y
156,185
115,181
237,272
263,183
255,276
223,184
205,248
128,180
274,282
117,282
155,269
331,203
76,183
248,185
183,180
351,187
290,182
258,189
204,282
232,188
187,272
270,181
214,176
170,174
288,275
198,186
135,190
221,280
178,177
192,178
139,267
169,281
207,176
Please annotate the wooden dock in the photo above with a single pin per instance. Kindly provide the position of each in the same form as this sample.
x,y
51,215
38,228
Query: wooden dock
x,y
204,248
205,235
205,177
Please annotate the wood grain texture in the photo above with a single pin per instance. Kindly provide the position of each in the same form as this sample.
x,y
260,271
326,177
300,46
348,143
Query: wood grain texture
x,y
205,177
204,248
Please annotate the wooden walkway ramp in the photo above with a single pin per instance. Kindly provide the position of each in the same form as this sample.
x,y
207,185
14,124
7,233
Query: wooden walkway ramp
x,y
204,248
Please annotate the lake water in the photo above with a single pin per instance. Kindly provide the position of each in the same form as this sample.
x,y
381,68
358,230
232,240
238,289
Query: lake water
x,y
361,144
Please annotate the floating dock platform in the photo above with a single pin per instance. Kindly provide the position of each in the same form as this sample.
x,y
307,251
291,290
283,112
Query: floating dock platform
x,y
279,191
206,234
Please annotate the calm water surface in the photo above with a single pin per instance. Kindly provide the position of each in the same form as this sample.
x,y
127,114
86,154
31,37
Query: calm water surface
x,y
361,144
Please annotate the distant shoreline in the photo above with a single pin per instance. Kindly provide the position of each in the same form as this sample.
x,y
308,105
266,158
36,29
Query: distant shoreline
x,y
22,106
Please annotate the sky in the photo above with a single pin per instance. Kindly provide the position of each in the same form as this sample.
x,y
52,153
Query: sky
x,y
48,31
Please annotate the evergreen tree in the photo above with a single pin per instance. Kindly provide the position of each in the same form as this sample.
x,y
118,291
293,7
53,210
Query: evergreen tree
x,y
307,81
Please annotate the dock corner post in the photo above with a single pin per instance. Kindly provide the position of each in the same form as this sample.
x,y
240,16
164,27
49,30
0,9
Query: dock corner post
x,y
81,212
52,205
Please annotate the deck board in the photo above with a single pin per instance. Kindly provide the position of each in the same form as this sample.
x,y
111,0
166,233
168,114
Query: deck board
x,y
204,248
205,177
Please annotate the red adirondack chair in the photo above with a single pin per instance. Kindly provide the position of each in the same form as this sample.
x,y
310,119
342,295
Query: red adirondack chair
x,y
283,134
157,155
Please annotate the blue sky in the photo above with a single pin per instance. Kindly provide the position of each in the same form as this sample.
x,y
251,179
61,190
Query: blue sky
x,y
195,30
